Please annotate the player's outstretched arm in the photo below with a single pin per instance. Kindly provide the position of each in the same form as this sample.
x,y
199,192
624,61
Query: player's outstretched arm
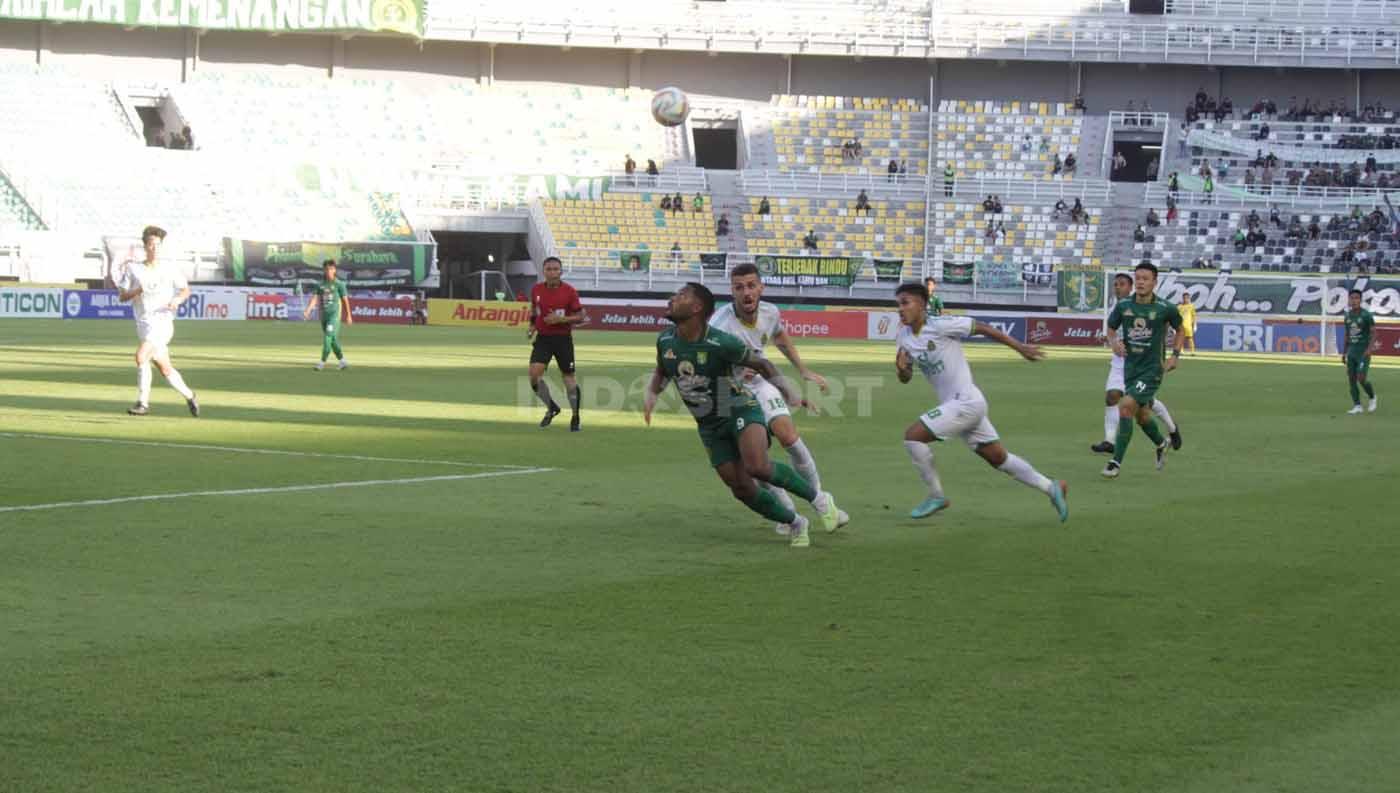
x,y
770,372
654,389
1028,351
785,344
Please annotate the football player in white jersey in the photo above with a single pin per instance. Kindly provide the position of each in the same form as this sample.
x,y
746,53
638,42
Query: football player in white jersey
x,y
934,345
758,323
1113,388
155,291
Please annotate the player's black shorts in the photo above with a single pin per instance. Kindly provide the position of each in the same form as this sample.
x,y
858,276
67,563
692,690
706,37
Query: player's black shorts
x,y
560,348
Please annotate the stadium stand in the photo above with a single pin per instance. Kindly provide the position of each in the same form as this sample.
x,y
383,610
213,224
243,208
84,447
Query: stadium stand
x,y
1204,237
1034,234
1021,139
810,133
15,212
631,221
892,229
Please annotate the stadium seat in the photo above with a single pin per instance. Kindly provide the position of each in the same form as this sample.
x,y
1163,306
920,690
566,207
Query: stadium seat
x,y
630,221
893,229
1033,235
1005,139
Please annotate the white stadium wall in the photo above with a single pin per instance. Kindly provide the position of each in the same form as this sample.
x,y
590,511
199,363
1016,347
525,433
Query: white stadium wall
x,y
19,41
895,77
288,56
578,66
143,54
368,56
755,77
1109,86
1037,82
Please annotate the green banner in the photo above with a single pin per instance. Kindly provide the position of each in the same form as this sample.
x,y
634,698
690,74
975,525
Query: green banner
x,y
277,16
889,269
1081,290
1232,293
634,261
958,273
808,270
359,264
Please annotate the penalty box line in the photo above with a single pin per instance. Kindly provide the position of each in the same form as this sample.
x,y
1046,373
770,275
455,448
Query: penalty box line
x,y
258,491
243,450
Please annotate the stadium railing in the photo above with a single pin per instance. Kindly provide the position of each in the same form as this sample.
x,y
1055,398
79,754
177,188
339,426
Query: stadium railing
x,y
687,180
1187,41
1128,119
1094,191
1320,10
813,27
1301,196
828,184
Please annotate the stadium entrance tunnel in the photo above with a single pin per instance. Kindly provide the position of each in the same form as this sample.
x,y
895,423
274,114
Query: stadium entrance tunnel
x,y
1138,156
464,255
717,148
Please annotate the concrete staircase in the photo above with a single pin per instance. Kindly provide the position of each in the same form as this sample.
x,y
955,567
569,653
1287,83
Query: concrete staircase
x,y
1093,130
1114,242
725,199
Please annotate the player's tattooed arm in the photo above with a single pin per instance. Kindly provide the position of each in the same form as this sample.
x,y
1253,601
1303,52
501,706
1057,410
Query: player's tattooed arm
x,y
789,350
654,389
769,372
1028,351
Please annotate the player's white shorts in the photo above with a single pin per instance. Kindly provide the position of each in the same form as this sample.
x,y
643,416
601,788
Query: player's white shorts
x,y
1115,375
156,331
770,399
961,418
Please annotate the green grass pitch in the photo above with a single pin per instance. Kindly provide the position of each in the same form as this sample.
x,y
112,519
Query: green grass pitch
x,y
619,623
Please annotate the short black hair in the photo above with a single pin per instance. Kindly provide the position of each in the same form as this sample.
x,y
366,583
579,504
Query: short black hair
x,y
912,289
707,298
549,259
743,268
327,263
1356,292
1124,277
1145,265
152,231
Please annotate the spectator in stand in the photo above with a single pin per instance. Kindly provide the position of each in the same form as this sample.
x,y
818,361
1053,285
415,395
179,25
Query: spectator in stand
x,y
1253,219
677,204
1140,234
1119,161
1130,115
1201,98
1314,230
1077,213
1044,145
1266,180
1295,229
764,208
1057,166
1171,207
1371,162
987,204
1274,217
1222,168
1270,109
848,150
990,232
863,203
629,167
1240,240
1153,166
722,225
949,175
652,170
1026,143
699,203
173,142
903,170
1173,182
1059,209
665,202
857,148
187,138
1208,189
1079,102
676,255
892,171
996,204
1248,178
1153,221
810,241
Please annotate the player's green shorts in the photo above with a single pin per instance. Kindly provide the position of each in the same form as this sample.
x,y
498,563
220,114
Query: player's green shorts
x,y
1142,386
1358,366
721,435
330,327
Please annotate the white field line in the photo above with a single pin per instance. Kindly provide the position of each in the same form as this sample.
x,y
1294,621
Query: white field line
x,y
241,450
256,491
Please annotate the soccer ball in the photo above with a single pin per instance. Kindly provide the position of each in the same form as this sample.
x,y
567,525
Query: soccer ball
x,y
670,106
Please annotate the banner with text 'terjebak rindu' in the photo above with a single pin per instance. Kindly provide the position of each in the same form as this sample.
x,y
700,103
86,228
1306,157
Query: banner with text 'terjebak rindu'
x,y
359,264
808,270
276,16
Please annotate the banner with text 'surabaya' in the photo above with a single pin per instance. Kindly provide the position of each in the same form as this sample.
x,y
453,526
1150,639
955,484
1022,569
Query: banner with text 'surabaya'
x,y
274,16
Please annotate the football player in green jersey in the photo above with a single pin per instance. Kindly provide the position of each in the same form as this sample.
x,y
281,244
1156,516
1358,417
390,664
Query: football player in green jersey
x,y
1143,320
334,300
701,361
1360,324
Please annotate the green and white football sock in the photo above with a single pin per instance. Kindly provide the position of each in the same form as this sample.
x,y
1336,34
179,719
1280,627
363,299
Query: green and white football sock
x,y
1150,429
1025,473
785,477
1120,441
922,456
767,505
805,465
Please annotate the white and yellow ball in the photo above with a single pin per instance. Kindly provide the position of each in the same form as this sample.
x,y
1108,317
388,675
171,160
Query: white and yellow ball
x,y
670,106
